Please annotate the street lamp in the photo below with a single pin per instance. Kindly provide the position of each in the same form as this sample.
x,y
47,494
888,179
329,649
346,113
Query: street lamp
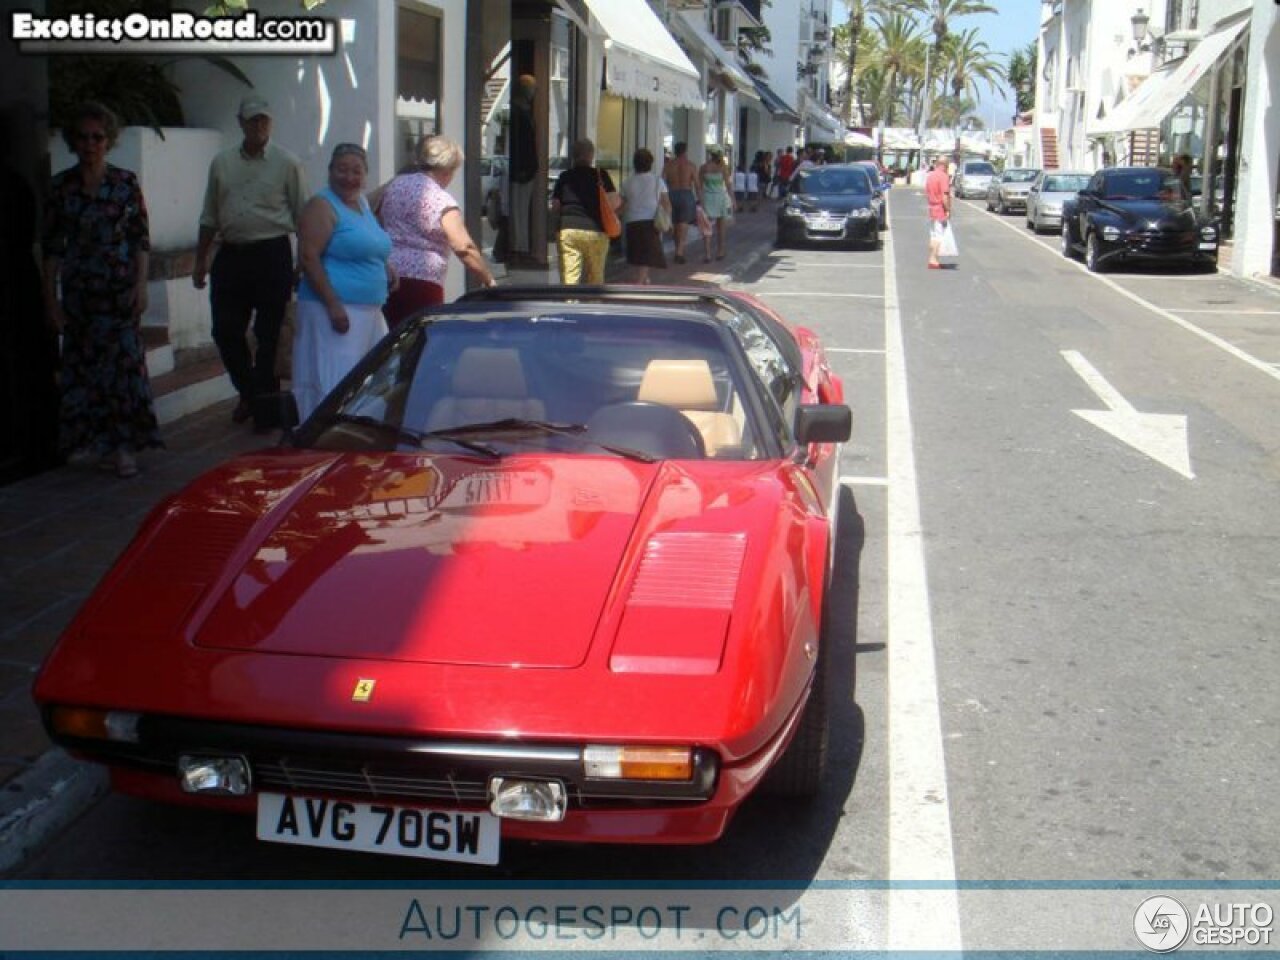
x,y
1143,38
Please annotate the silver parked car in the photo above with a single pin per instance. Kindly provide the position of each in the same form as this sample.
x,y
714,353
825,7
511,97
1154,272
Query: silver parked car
x,y
1008,194
972,178
1048,192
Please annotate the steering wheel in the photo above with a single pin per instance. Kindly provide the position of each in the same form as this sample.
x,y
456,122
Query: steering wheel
x,y
651,428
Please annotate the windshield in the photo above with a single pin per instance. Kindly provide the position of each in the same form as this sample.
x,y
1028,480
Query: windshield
x,y
583,381
839,182
1066,183
979,170
1019,176
1143,185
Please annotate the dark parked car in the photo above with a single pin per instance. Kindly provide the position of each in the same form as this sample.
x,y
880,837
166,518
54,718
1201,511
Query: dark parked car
x,y
831,204
1136,213
1008,194
882,184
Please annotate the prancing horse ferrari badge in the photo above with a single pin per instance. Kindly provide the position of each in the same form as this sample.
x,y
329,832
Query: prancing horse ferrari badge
x,y
363,692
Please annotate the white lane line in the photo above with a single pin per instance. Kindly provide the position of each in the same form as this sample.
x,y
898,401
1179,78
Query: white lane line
x,y
920,846
1187,325
801,293
850,350
1228,310
829,263
865,481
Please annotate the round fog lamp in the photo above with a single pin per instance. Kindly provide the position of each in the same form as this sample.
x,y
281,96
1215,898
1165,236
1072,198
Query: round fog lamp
x,y
523,799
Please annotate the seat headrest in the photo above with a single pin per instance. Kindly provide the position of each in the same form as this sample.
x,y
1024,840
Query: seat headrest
x,y
683,384
489,372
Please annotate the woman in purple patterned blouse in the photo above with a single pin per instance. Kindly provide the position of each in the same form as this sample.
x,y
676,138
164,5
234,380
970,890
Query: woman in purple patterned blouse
x,y
96,247
426,225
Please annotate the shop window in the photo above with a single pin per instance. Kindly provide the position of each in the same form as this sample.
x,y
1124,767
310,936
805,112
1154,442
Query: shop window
x,y
417,80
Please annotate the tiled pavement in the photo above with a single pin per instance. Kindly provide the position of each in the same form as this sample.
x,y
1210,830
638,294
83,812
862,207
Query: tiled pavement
x,y
61,530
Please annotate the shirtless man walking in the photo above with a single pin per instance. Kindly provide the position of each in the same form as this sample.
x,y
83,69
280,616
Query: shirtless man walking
x,y
682,184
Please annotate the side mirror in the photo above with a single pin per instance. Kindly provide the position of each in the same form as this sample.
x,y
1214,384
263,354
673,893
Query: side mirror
x,y
823,423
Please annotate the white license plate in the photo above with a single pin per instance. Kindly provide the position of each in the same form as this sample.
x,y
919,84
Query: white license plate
x,y
466,836
825,223
1208,246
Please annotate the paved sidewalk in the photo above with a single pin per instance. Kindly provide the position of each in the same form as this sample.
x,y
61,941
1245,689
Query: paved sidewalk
x,y
60,532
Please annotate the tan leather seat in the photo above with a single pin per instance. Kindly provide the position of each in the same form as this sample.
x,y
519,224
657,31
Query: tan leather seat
x,y
488,384
687,386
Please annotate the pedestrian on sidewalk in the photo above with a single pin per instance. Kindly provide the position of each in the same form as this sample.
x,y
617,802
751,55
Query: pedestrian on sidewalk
x,y
252,203
785,167
426,226
717,202
346,277
681,177
96,249
937,191
643,194
582,242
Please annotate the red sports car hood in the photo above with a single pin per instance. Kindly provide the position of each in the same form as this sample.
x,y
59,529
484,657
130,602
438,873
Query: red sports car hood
x,y
399,557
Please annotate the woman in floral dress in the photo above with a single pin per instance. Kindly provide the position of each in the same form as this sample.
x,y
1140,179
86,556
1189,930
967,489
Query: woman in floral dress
x,y
96,247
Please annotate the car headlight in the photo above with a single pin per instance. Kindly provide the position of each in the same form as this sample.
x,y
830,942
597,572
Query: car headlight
x,y
790,211
1208,232
1056,210
1110,233
862,213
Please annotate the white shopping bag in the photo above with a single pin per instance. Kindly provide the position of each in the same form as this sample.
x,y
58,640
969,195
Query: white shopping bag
x,y
948,247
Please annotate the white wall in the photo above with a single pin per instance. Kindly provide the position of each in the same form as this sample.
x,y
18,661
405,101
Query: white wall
x,y
164,169
321,101
1260,147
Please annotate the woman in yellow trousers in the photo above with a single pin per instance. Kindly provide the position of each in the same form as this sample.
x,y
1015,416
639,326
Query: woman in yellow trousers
x,y
583,245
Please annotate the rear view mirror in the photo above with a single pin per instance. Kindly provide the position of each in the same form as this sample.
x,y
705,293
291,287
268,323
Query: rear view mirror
x,y
823,423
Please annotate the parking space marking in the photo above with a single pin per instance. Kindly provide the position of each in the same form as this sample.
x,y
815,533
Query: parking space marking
x,y
920,843
850,350
865,481
793,293
1187,325
830,263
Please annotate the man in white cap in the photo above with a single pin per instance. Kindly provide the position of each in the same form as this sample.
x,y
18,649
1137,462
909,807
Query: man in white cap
x,y
252,203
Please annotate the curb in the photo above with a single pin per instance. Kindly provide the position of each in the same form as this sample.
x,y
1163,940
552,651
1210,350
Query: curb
x,y
42,801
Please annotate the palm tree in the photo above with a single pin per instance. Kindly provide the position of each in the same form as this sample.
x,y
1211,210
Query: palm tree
x,y
1021,76
967,60
901,48
940,14
846,40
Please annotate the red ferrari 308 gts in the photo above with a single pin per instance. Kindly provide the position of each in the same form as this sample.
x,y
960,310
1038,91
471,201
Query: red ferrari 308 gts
x,y
550,563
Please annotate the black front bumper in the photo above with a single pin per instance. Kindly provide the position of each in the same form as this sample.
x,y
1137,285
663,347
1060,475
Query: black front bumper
x,y
1158,246
855,230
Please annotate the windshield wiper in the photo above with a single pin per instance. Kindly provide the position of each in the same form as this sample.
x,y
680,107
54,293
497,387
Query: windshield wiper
x,y
412,437
518,425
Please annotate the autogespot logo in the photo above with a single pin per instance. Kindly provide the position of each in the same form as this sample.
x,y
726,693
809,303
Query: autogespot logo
x,y
1161,924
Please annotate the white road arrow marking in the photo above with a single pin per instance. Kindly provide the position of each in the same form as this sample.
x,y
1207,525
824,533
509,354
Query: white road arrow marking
x,y
1161,436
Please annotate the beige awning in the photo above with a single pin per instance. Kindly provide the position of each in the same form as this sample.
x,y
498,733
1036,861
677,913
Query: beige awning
x,y
642,59
1155,99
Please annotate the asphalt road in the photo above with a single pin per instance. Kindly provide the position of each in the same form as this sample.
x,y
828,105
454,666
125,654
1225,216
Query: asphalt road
x,y
1065,647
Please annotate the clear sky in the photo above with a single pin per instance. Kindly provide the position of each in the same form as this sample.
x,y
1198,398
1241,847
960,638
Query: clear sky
x,y
1012,28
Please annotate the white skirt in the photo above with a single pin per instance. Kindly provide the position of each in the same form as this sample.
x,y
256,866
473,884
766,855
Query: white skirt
x,y
322,356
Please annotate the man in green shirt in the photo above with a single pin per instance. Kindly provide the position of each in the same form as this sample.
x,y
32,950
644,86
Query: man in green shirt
x,y
252,203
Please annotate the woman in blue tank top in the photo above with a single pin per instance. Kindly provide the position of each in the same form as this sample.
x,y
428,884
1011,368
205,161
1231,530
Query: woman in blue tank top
x,y
346,279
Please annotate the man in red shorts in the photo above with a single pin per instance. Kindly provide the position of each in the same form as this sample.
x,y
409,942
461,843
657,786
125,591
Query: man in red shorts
x,y
937,191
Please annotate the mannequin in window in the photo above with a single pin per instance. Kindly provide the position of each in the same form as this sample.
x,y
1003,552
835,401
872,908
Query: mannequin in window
x,y
522,175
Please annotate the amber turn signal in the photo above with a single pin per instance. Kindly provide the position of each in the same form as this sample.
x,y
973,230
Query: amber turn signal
x,y
638,763
85,723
